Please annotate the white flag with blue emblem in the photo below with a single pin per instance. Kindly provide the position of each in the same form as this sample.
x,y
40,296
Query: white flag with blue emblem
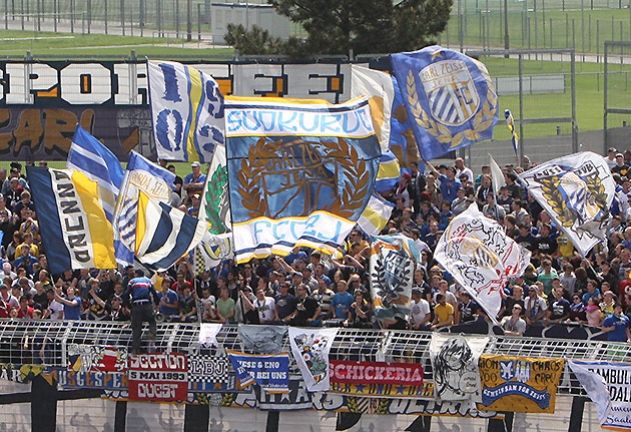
x,y
577,192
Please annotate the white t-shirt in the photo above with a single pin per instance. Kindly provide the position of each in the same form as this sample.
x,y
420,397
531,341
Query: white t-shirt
x,y
419,311
266,309
56,310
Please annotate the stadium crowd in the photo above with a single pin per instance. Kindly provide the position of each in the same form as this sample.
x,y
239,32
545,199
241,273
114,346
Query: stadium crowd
x,y
307,288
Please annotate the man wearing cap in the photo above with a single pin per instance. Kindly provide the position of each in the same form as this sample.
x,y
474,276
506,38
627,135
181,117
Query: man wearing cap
x,y
620,167
194,182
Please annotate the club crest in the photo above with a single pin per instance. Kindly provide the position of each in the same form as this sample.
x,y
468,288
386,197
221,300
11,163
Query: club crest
x,y
452,95
577,195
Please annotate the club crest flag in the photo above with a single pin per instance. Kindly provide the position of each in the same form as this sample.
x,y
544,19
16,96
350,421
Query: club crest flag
x,y
481,257
270,372
187,112
214,207
300,172
75,231
455,365
519,384
392,263
450,99
577,192
310,348
607,385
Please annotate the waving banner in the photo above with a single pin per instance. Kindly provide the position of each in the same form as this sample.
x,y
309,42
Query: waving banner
x,y
519,384
392,261
268,371
479,255
75,231
455,365
310,348
577,192
186,110
300,172
450,99
607,385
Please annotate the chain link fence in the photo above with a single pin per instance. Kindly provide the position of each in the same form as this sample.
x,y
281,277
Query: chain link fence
x,y
582,25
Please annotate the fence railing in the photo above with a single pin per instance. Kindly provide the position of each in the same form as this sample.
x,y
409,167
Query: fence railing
x,y
47,342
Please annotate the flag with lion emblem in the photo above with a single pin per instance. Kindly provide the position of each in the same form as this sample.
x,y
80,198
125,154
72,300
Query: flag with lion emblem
x,y
577,191
481,257
300,172
392,262
450,99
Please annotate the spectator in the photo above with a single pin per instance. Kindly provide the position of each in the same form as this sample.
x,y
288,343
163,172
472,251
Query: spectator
x,y
359,315
169,305
225,306
245,311
577,309
285,303
513,324
71,304
341,301
420,314
593,313
535,307
187,307
616,326
608,304
592,292
307,311
546,275
468,308
558,306
142,294
194,182
444,313
323,295
266,307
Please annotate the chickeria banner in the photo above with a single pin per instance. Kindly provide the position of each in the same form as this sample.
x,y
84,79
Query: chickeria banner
x,y
455,365
577,192
396,379
481,257
519,384
310,348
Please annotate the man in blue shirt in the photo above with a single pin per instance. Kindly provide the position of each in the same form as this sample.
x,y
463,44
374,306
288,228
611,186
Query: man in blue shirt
x,y
342,301
194,182
72,304
617,326
449,184
142,294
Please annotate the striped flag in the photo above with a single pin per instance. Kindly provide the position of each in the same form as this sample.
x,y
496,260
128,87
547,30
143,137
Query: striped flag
x,y
89,156
163,233
155,181
187,111
389,172
510,124
375,216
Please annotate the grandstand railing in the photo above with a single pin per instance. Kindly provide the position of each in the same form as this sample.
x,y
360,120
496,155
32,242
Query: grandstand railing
x,y
47,342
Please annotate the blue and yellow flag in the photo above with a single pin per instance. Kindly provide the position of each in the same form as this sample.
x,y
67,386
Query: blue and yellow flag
x,y
450,99
510,124
75,231
300,172
187,111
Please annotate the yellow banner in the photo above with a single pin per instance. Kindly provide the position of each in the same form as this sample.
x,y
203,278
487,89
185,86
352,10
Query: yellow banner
x,y
519,384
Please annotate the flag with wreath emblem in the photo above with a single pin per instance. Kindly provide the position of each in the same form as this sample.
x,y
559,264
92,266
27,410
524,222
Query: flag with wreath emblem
x,y
449,96
577,191
300,172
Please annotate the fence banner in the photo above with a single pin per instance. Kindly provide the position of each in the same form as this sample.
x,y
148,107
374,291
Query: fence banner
x,y
377,378
310,348
519,384
607,384
160,377
270,372
455,366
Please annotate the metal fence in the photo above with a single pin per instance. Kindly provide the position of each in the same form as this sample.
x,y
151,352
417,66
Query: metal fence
x,y
582,25
46,342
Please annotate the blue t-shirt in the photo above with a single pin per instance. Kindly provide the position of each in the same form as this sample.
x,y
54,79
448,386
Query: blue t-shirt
x,y
171,298
449,188
73,312
620,324
140,288
190,179
342,302
587,296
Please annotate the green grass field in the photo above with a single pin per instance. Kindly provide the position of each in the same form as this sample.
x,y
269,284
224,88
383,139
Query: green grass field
x,y
586,31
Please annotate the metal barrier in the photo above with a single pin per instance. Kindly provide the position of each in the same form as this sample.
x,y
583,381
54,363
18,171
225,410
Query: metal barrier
x,y
46,342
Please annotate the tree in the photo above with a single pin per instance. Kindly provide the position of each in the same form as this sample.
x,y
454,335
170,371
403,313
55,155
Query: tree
x,y
363,26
